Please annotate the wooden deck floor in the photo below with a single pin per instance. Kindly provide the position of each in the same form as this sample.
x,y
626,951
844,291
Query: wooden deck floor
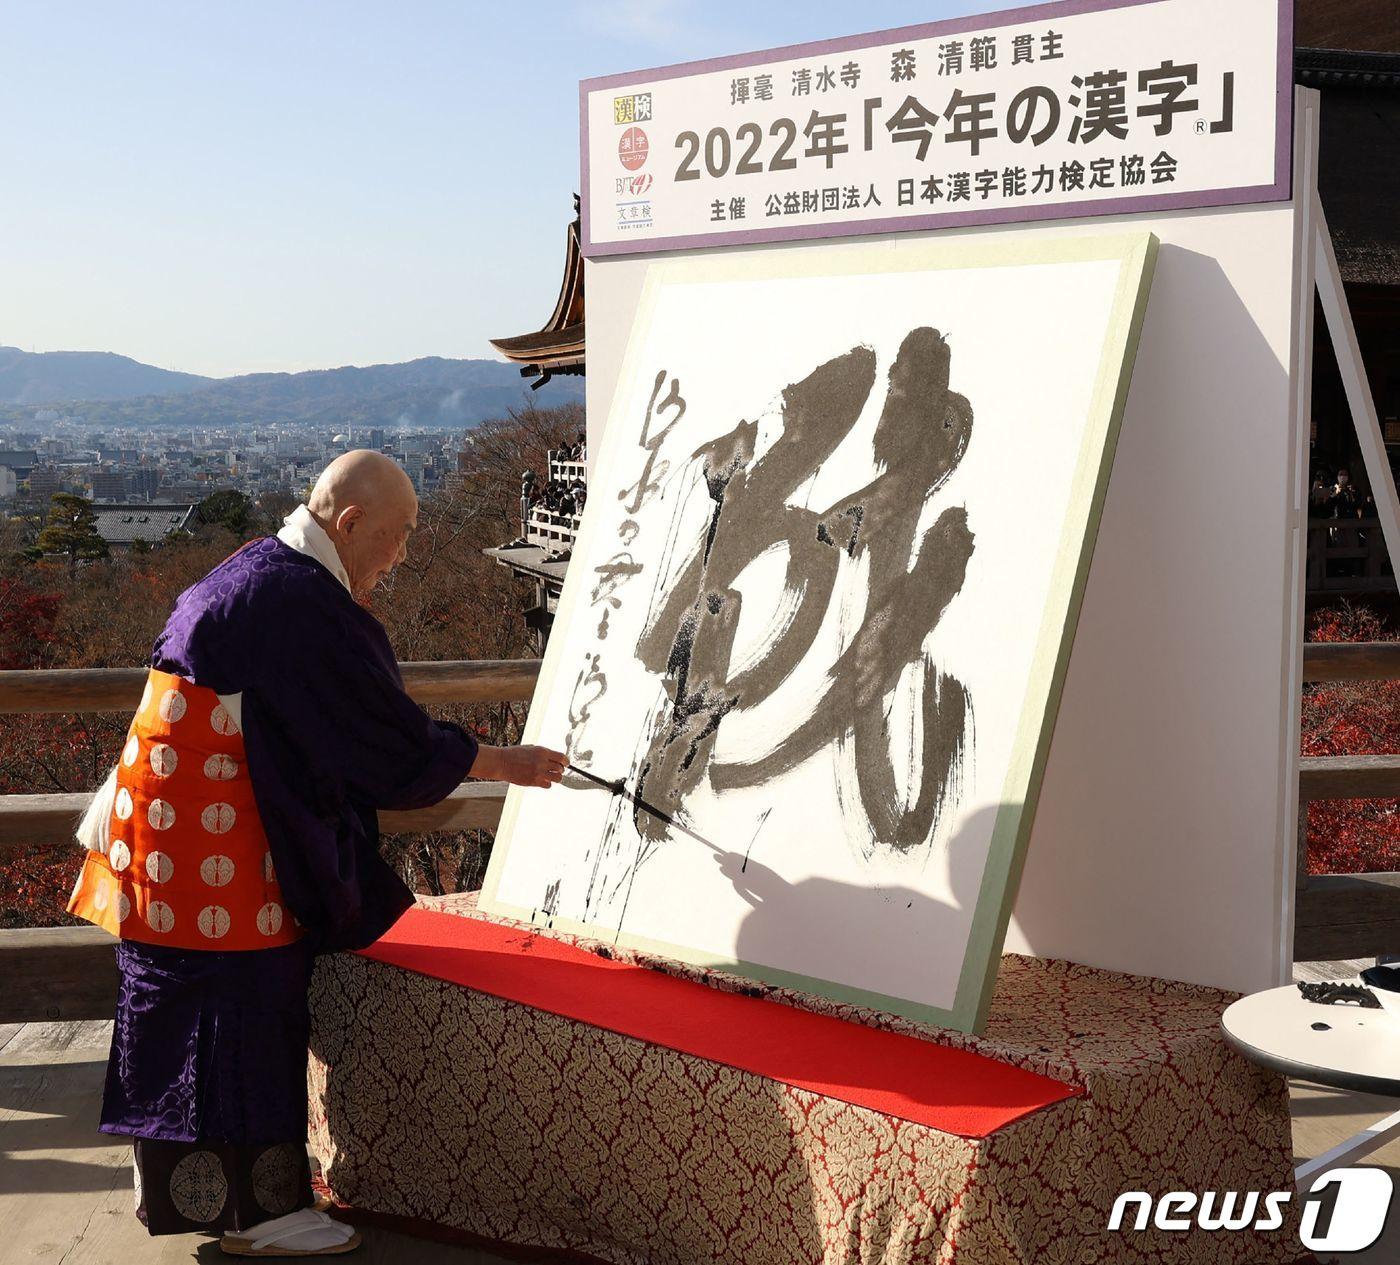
x,y
66,1191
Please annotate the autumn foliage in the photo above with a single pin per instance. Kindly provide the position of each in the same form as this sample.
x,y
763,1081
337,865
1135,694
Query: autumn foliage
x,y
1350,836
447,601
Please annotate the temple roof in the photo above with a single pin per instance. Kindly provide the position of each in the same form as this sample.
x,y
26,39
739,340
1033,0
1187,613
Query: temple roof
x,y
529,347
1371,26
557,347
1350,49
125,524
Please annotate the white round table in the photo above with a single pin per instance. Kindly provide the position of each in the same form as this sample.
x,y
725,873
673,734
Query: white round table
x,y
1343,1046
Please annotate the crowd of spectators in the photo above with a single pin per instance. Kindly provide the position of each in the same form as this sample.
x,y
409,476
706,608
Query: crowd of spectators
x,y
561,498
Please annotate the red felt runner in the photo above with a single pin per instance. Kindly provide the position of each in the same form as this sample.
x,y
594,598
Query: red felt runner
x,y
955,1091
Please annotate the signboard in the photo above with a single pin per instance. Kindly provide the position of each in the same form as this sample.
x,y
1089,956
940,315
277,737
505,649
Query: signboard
x,y
1088,107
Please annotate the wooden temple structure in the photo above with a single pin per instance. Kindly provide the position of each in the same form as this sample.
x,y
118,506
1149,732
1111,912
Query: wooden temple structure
x,y
556,347
540,554
1349,50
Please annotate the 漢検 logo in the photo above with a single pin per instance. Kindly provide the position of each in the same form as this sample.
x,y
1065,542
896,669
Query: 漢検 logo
x,y
633,109
632,148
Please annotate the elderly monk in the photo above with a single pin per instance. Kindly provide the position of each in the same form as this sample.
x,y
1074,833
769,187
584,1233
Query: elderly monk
x,y
236,838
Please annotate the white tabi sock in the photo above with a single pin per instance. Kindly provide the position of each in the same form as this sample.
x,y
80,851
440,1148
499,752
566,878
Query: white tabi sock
x,y
305,1230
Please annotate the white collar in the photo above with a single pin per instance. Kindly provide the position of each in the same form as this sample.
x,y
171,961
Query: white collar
x,y
304,534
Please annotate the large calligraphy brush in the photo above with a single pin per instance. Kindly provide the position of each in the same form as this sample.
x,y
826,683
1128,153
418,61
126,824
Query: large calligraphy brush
x,y
619,788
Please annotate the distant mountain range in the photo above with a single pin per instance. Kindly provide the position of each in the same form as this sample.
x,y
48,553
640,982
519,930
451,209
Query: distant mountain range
x,y
111,390
58,376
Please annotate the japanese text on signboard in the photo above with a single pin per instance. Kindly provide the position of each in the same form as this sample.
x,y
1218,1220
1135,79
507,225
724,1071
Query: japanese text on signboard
x,y
1080,113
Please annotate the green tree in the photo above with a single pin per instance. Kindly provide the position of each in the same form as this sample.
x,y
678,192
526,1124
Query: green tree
x,y
71,529
231,510
274,507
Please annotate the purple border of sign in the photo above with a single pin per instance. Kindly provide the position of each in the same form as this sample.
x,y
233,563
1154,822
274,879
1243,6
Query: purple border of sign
x,y
1280,189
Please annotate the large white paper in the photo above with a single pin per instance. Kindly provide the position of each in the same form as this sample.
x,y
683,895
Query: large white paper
x,y
917,611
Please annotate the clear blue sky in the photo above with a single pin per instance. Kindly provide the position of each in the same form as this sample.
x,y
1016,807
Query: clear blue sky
x,y
230,187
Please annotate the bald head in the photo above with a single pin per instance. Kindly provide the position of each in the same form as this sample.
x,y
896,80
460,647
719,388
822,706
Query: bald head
x,y
366,504
358,477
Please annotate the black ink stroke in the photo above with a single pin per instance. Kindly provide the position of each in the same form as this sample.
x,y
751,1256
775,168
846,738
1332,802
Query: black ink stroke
x,y
920,437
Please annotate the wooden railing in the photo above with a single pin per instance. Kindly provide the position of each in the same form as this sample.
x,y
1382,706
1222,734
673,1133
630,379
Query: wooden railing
x,y
543,527
29,819
119,689
1356,548
550,530
567,469
68,972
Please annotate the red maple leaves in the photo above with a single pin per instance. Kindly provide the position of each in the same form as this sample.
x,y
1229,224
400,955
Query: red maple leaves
x,y
1352,836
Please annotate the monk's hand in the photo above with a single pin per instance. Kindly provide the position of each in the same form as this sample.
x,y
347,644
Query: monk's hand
x,y
525,766
533,766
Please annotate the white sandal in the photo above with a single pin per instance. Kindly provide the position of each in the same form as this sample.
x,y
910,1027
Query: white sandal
x,y
305,1232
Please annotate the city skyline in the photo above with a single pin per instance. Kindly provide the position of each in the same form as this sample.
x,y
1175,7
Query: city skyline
x,y
225,191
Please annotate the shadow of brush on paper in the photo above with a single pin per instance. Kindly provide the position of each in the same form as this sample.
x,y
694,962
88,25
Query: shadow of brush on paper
x,y
819,906
792,934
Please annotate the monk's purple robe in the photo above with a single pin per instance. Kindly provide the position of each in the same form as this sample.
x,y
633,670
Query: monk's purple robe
x,y
211,1046
330,733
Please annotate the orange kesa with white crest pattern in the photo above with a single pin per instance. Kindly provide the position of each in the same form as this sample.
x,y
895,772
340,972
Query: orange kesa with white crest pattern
x,y
188,863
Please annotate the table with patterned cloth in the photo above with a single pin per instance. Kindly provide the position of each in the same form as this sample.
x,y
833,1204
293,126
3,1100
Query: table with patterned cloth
x,y
438,1105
